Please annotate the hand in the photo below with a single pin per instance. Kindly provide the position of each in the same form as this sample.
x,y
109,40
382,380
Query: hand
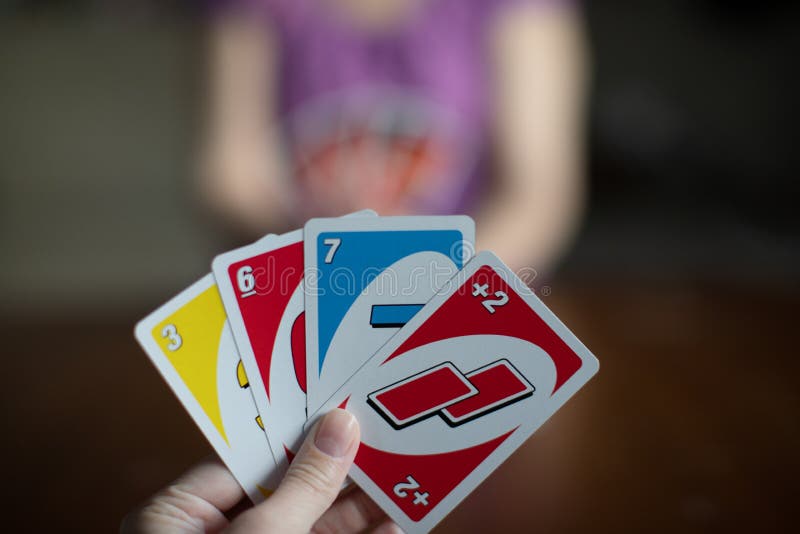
x,y
305,500
242,180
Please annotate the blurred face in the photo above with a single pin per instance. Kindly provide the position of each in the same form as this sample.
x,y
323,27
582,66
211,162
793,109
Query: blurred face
x,y
376,13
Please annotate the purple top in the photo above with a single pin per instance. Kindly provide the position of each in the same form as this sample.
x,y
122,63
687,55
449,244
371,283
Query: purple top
x,y
422,88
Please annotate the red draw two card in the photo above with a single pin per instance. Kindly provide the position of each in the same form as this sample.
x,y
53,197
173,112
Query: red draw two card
x,y
457,390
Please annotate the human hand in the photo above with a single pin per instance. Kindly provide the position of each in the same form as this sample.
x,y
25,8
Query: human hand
x,y
242,180
306,500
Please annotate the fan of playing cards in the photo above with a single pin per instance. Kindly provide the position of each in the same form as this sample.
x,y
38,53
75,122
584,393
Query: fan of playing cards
x,y
448,360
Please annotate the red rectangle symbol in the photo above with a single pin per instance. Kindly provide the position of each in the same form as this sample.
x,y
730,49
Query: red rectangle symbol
x,y
499,384
422,394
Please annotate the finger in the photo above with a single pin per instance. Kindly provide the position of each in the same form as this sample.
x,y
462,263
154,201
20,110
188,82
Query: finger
x,y
312,481
194,502
352,512
387,527
212,482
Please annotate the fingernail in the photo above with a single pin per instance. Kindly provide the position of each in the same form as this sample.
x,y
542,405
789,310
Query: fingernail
x,y
336,433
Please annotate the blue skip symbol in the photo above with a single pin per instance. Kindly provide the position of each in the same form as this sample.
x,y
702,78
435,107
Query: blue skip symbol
x,y
392,315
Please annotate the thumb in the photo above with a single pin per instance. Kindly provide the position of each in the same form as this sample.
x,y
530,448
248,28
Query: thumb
x,y
312,481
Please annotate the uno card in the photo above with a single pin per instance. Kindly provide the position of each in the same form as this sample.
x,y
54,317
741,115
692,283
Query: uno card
x,y
463,384
261,288
364,279
189,340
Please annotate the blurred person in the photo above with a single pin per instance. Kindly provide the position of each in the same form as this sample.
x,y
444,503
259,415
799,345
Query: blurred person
x,y
322,107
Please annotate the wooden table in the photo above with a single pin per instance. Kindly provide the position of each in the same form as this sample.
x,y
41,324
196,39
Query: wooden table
x,y
692,423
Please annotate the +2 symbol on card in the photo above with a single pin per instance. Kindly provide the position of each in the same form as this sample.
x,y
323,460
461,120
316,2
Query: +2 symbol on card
x,y
401,489
489,304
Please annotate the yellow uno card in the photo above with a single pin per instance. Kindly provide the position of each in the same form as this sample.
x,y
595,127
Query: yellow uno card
x,y
190,342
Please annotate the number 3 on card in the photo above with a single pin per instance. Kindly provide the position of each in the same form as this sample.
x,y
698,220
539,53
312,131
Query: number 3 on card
x,y
171,333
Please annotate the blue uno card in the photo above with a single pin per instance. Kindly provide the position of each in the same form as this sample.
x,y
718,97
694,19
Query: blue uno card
x,y
364,280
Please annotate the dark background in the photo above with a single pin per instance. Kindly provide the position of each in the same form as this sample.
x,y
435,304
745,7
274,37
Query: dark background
x,y
683,281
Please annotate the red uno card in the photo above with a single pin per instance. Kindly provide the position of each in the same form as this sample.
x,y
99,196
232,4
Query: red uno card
x,y
428,439
261,286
